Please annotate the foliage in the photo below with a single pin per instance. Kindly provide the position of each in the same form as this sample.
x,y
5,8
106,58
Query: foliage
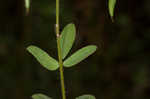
x,y
67,39
43,58
66,42
40,96
111,6
80,55
86,97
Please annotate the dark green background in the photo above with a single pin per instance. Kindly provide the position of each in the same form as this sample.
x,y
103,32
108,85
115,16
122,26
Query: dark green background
x,y
118,70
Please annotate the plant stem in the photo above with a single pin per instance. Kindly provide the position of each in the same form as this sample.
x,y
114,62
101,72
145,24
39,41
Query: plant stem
x,y
59,52
61,70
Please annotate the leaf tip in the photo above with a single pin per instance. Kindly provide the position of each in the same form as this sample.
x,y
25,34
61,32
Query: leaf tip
x,y
71,24
94,47
29,47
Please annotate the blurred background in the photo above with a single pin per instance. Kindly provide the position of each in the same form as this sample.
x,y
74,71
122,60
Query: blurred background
x,y
118,70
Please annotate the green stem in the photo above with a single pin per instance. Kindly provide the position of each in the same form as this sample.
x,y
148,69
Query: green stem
x,y
59,52
61,69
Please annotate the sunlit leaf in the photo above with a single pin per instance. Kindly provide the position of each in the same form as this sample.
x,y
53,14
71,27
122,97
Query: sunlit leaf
x,y
67,39
86,97
43,58
111,6
80,55
40,96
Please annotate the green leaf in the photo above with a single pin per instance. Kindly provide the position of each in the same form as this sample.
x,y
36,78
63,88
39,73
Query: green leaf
x,y
86,97
27,5
67,39
80,55
43,58
111,5
40,96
